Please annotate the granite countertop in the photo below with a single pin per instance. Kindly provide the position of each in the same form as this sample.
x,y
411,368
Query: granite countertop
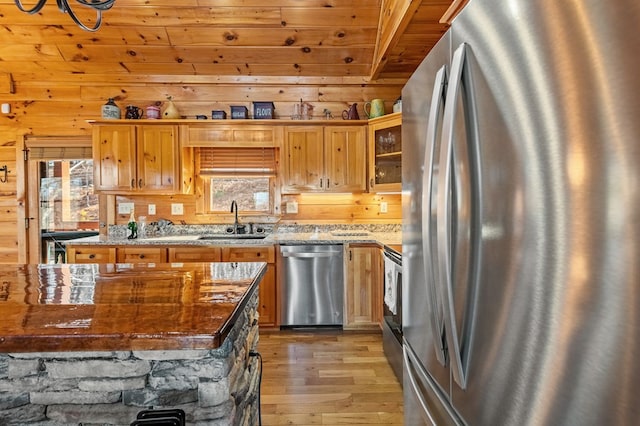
x,y
331,237
122,306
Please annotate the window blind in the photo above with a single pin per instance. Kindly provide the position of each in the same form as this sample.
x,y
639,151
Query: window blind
x,y
60,153
58,147
236,161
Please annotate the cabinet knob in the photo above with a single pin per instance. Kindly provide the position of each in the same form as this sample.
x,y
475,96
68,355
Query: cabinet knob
x,y
141,256
92,256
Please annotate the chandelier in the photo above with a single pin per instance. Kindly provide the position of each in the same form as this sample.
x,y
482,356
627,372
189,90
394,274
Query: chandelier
x,y
63,5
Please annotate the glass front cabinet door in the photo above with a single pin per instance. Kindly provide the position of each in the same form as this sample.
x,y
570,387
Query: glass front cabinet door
x,y
385,153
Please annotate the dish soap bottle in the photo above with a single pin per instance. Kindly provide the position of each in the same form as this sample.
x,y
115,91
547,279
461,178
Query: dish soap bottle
x,y
133,227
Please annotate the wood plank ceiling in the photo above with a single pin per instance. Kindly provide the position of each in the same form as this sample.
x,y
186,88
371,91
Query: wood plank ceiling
x,y
195,38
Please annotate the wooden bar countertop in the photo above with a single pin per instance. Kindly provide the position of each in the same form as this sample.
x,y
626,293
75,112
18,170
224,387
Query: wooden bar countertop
x,y
109,307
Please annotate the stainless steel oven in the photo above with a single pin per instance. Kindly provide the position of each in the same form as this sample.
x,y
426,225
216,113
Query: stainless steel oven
x,y
392,310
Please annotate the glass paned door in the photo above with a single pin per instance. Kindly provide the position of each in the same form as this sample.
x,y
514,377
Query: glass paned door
x,y
68,207
388,155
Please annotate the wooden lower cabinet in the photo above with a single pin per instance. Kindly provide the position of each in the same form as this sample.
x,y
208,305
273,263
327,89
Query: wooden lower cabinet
x,y
139,254
91,254
268,295
364,274
194,254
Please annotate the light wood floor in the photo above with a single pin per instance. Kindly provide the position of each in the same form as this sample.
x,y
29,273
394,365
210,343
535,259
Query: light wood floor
x,y
327,377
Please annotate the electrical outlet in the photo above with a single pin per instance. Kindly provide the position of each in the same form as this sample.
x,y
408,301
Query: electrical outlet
x,y
125,208
151,209
177,209
292,207
383,207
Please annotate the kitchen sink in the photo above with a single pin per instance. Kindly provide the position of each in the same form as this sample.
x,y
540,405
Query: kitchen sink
x,y
232,237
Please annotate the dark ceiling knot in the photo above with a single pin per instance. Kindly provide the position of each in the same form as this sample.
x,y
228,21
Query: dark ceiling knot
x,y
289,41
306,49
340,34
348,60
132,53
179,60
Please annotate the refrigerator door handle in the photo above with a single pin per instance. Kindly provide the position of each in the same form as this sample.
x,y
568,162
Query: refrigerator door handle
x,y
446,196
414,386
433,402
429,247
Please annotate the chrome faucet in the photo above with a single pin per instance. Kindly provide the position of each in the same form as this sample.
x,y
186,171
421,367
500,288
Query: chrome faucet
x,y
235,221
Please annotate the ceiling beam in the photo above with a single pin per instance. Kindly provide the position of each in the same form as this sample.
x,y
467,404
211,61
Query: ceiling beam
x,y
395,16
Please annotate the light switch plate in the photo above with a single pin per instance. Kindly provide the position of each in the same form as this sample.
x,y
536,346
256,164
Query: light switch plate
x,y
125,208
384,207
151,209
177,209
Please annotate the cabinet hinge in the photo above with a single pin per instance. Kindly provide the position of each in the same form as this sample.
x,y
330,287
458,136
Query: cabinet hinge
x,y
25,153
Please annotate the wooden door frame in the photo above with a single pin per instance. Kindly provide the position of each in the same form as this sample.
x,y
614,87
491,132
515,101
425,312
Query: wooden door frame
x,y
21,196
30,190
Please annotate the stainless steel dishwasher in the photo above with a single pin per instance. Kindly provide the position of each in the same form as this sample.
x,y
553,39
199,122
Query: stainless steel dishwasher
x,y
312,285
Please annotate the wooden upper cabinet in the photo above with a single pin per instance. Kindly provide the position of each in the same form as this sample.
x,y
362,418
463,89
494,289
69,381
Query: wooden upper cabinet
x,y
345,153
132,158
158,159
324,159
227,135
114,157
385,153
302,159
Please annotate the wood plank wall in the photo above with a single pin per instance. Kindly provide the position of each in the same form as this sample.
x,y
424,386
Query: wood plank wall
x,y
61,105
10,233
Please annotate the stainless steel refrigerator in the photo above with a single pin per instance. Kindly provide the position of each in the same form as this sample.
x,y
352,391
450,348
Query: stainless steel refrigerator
x,y
521,217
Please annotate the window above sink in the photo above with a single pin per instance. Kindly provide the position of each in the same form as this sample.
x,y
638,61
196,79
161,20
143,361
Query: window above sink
x,y
246,175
